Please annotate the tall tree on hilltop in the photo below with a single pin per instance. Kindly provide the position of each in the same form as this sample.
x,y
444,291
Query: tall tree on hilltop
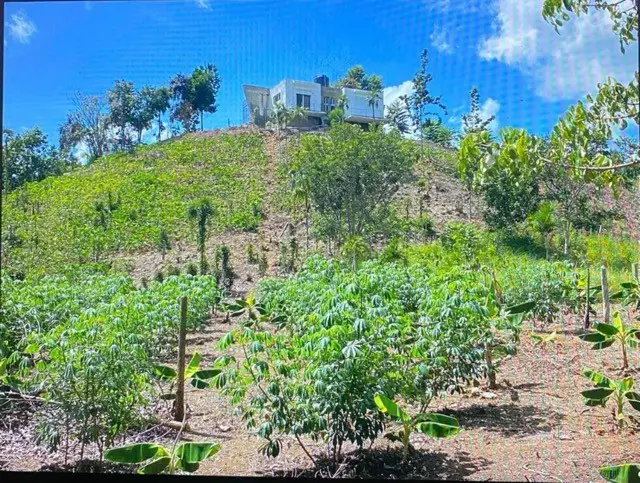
x,y
142,113
122,99
419,101
87,125
159,102
356,78
473,121
183,110
205,83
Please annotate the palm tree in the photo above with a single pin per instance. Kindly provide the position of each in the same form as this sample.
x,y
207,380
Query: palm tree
x,y
201,212
374,97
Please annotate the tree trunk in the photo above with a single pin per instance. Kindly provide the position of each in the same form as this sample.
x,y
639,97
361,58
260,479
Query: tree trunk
x,y
182,335
202,120
491,374
159,127
566,238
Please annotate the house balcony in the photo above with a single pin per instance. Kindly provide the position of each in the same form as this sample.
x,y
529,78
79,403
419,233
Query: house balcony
x,y
363,115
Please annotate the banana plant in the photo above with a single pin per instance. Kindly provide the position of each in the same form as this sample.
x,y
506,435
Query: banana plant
x,y
199,378
629,295
431,424
156,458
606,389
625,473
606,335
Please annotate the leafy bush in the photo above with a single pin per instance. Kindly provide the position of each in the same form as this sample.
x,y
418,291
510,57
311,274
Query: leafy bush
x,y
343,336
606,335
87,348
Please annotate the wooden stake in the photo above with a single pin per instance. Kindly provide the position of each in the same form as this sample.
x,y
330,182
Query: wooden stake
x,y
182,337
606,306
635,270
587,322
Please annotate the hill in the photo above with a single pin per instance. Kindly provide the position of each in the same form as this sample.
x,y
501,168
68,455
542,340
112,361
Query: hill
x,y
110,213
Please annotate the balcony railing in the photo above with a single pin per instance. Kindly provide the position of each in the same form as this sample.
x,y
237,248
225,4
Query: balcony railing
x,y
360,112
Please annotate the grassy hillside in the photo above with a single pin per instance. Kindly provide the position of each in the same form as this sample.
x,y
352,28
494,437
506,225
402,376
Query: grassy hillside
x,y
56,221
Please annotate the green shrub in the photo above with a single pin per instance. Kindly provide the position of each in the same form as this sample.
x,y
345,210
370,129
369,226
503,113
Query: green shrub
x,y
345,336
172,270
191,269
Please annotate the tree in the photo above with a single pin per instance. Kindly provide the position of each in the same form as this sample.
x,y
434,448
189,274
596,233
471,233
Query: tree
x,y
205,83
159,102
398,116
142,113
350,176
420,100
373,99
439,134
164,244
88,124
28,157
201,213
473,121
183,110
543,221
587,124
356,78
122,99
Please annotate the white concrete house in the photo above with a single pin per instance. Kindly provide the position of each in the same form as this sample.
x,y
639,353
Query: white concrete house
x,y
316,98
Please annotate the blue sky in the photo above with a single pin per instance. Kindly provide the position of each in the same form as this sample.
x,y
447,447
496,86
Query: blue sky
x,y
527,74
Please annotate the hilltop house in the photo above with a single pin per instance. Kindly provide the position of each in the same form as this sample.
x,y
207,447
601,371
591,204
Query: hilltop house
x,y
317,98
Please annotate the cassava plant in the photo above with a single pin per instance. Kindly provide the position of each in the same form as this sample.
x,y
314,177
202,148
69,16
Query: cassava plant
x,y
156,458
607,389
431,424
606,335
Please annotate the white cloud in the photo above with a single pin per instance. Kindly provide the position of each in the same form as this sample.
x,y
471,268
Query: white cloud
x,y
565,66
21,28
393,93
441,40
490,107
205,4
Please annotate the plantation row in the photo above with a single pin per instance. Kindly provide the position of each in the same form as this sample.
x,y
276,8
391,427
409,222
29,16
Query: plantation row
x,y
88,348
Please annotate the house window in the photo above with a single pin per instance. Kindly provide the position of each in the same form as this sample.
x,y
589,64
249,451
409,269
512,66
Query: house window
x,y
303,100
276,98
329,104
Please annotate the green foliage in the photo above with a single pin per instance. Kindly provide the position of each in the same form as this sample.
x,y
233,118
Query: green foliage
x,y
122,98
473,121
157,459
198,378
192,269
87,124
624,473
156,186
431,424
343,336
398,116
194,94
172,270
620,392
87,347
543,223
356,78
420,101
224,271
28,157
164,244
438,134
350,176
252,256
605,335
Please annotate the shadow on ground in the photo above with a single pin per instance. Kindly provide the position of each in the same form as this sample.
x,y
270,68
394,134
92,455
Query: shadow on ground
x,y
506,419
380,463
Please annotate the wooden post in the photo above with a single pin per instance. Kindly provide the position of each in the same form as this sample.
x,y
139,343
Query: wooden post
x,y
587,322
606,306
182,336
635,270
